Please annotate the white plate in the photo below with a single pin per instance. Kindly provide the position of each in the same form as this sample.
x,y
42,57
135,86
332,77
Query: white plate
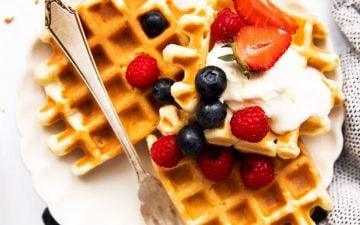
x,y
108,194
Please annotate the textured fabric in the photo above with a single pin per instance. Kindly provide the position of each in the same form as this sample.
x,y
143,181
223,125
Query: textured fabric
x,y
345,188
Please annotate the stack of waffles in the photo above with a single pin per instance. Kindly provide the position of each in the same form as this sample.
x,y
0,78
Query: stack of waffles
x,y
115,37
297,188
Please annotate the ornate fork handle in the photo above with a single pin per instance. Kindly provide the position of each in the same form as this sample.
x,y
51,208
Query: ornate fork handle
x,y
64,24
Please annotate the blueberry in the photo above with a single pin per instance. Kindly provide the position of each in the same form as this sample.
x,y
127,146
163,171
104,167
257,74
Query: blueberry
x,y
153,23
161,91
318,214
211,114
48,219
210,82
191,140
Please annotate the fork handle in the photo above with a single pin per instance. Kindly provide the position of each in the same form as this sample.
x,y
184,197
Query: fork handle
x,y
64,24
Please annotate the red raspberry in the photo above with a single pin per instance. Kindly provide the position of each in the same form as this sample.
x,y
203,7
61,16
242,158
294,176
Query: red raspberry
x,y
250,124
216,164
142,72
226,25
256,171
165,153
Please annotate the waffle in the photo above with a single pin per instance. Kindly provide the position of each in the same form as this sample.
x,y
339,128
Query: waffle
x,y
311,30
282,145
289,199
115,37
172,119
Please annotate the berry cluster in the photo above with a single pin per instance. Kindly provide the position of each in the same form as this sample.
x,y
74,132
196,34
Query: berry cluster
x,y
258,44
210,83
250,124
259,32
143,72
215,163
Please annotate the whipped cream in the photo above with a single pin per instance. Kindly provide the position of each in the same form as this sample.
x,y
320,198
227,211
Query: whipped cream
x,y
290,92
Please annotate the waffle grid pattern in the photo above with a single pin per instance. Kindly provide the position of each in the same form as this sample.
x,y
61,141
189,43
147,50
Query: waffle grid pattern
x,y
115,37
297,189
307,41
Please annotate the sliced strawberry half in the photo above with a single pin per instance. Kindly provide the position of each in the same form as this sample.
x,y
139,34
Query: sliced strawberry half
x,y
259,48
264,13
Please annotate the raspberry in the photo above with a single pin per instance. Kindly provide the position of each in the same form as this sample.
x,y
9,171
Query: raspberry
x,y
142,72
165,153
250,124
226,26
216,164
256,171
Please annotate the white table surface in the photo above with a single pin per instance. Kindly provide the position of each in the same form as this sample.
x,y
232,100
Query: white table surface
x,y
19,204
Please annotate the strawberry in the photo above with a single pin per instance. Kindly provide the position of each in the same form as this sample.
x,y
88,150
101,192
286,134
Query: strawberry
x,y
258,48
264,13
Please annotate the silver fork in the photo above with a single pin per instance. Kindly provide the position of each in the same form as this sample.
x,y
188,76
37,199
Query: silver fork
x,y
64,24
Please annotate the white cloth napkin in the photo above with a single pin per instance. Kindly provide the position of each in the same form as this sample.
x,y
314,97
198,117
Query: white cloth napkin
x,y
345,187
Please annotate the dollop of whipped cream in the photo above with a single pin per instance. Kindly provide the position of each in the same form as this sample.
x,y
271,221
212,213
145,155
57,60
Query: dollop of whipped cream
x,y
290,92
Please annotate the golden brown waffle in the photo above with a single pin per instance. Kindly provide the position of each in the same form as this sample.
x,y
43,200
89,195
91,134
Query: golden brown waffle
x,y
282,145
297,188
115,37
289,199
312,33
